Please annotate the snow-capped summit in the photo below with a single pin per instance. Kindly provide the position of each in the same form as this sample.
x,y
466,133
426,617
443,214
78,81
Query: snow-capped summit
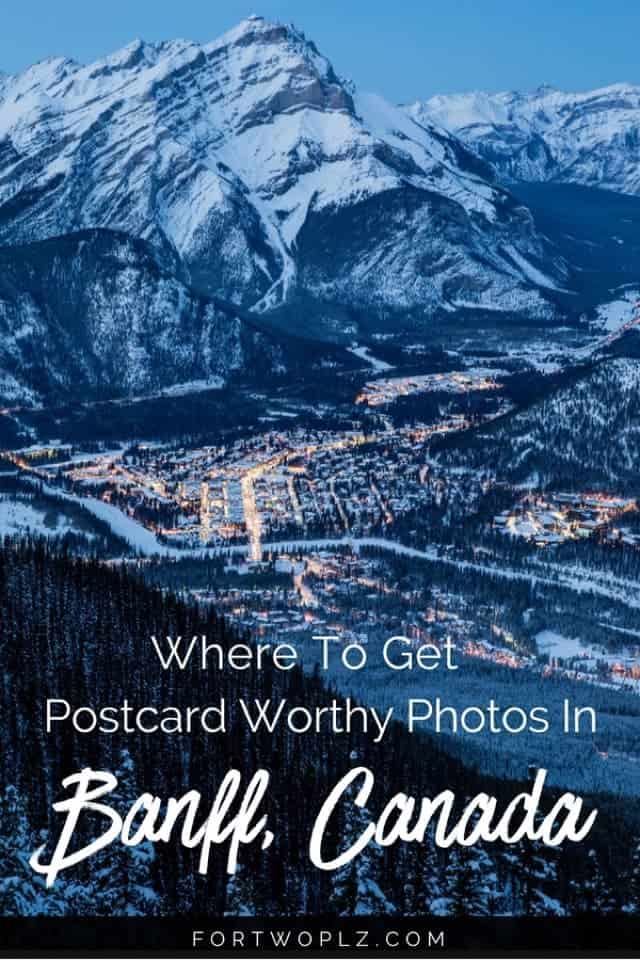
x,y
274,181
590,138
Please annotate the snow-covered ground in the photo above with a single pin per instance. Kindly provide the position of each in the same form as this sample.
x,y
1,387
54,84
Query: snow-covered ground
x,y
146,543
556,645
536,276
19,517
284,139
193,386
613,315
364,353
134,533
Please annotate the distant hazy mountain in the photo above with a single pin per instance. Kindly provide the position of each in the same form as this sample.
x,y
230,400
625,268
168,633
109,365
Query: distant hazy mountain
x,y
591,138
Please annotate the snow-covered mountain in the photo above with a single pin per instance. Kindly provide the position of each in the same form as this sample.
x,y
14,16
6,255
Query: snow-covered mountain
x,y
97,314
590,138
275,183
583,433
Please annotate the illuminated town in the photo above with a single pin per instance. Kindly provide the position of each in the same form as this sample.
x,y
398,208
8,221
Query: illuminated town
x,y
552,519
381,392
310,527
272,486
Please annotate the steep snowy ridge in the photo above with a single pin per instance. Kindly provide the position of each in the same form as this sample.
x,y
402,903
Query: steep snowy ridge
x,y
585,433
276,183
590,138
97,315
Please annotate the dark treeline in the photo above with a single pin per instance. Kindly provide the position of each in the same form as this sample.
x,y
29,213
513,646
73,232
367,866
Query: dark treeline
x,y
79,630
579,436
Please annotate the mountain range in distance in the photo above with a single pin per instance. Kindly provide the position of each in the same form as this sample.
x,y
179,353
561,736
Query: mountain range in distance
x,y
591,138
182,212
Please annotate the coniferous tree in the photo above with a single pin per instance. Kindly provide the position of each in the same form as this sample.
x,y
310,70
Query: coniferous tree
x,y
239,895
594,894
470,883
122,875
421,887
535,879
73,628
633,882
22,891
356,889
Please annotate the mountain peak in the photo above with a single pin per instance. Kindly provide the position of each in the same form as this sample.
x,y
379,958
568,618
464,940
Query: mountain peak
x,y
258,31
235,157
130,56
46,70
256,28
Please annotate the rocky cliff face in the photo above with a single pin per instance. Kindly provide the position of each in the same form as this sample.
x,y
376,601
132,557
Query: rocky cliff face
x,y
591,138
96,314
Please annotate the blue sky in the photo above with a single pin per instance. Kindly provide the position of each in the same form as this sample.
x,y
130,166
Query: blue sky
x,y
403,49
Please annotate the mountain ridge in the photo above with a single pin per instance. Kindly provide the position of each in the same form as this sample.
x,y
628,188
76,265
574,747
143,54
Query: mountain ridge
x,y
591,138
262,180
238,152
73,295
